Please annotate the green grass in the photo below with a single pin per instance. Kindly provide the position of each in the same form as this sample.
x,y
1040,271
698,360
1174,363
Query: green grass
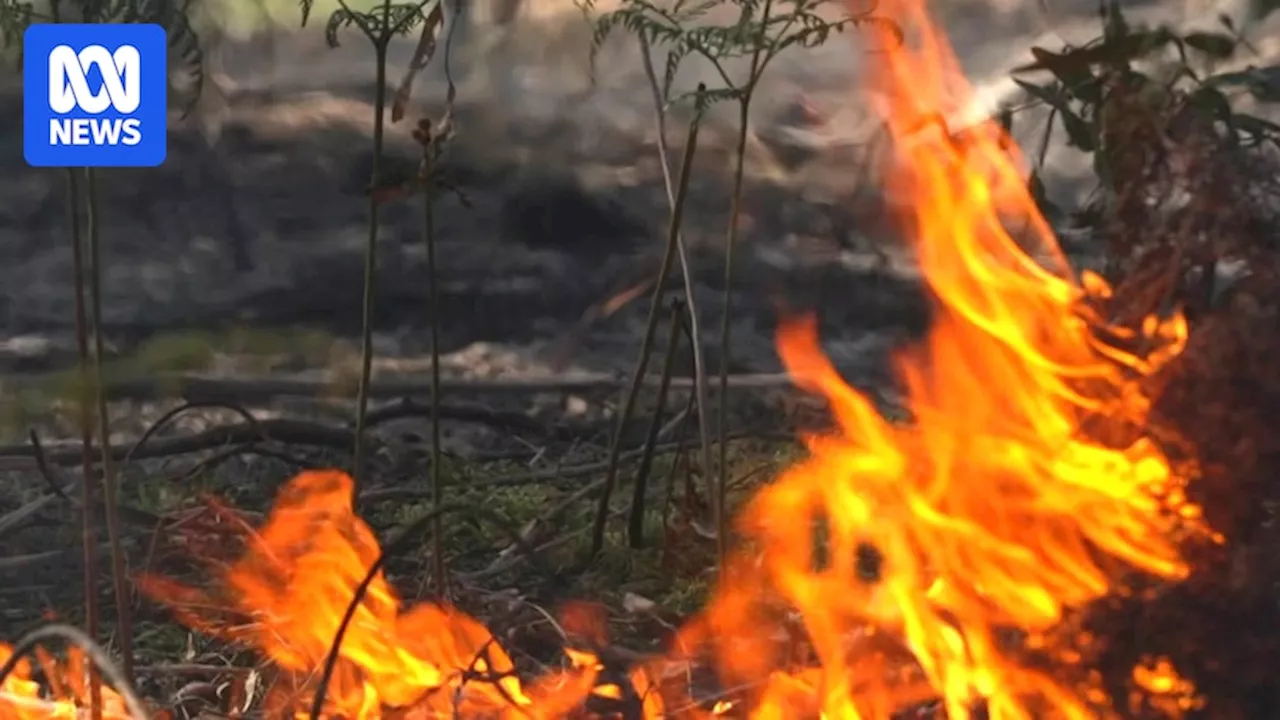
x,y
33,399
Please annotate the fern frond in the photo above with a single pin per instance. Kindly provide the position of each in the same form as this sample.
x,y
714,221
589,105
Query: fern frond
x,y
401,19
172,15
15,16
340,19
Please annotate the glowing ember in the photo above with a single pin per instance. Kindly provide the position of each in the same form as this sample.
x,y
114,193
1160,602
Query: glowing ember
x,y
941,558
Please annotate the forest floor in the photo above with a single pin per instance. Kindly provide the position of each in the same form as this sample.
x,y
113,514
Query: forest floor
x,y
232,283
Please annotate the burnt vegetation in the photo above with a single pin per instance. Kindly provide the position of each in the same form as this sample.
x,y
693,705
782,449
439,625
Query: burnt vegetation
x,y
617,488
1187,210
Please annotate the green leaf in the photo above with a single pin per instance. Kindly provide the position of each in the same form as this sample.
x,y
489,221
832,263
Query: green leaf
x,y
1214,102
1004,119
175,17
1040,196
1114,26
338,20
1051,95
1070,69
1088,91
1260,9
1079,133
1256,127
400,19
704,98
1262,83
1215,45
1075,65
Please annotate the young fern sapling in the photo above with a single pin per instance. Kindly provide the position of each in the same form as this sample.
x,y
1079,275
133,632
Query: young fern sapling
x,y
83,201
646,344
762,31
379,26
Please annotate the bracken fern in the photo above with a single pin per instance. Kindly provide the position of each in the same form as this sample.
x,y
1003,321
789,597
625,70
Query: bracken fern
x,y
762,30
379,25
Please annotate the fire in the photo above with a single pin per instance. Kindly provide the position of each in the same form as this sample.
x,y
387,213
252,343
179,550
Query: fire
x,y
1024,488
288,593
929,562
63,694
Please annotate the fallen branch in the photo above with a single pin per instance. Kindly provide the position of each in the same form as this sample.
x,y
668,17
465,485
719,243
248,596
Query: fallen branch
x,y
243,438
202,388
514,421
292,432
22,564
288,431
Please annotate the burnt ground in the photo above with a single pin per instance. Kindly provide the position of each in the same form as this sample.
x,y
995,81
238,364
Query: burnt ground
x,y
267,230
241,257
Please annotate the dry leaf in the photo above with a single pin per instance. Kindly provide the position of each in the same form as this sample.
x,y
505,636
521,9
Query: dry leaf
x,y
637,604
421,57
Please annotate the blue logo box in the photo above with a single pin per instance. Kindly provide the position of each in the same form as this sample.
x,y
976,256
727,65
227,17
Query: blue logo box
x,y
95,95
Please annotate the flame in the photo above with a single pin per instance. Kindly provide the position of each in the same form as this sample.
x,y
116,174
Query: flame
x,y
1024,488
64,694
929,562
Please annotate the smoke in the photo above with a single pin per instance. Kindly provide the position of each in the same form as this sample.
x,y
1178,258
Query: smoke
x,y
534,70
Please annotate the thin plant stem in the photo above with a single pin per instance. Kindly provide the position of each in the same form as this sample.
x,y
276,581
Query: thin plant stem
x,y
89,490
642,363
726,322
437,453
110,489
370,259
726,326
1041,154
695,332
635,523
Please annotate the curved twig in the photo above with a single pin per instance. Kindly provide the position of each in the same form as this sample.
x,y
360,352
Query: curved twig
x,y
191,405
282,430
410,531
42,464
471,673
214,460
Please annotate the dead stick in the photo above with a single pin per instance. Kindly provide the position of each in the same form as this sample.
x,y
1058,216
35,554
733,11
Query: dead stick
x,y
202,388
288,431
296,432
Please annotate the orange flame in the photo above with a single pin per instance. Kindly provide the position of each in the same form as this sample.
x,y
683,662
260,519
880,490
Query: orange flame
x,y
1023,479
64,694
923,562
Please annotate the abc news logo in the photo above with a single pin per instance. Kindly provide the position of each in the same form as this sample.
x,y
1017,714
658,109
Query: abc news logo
x,y
95,95
69,89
